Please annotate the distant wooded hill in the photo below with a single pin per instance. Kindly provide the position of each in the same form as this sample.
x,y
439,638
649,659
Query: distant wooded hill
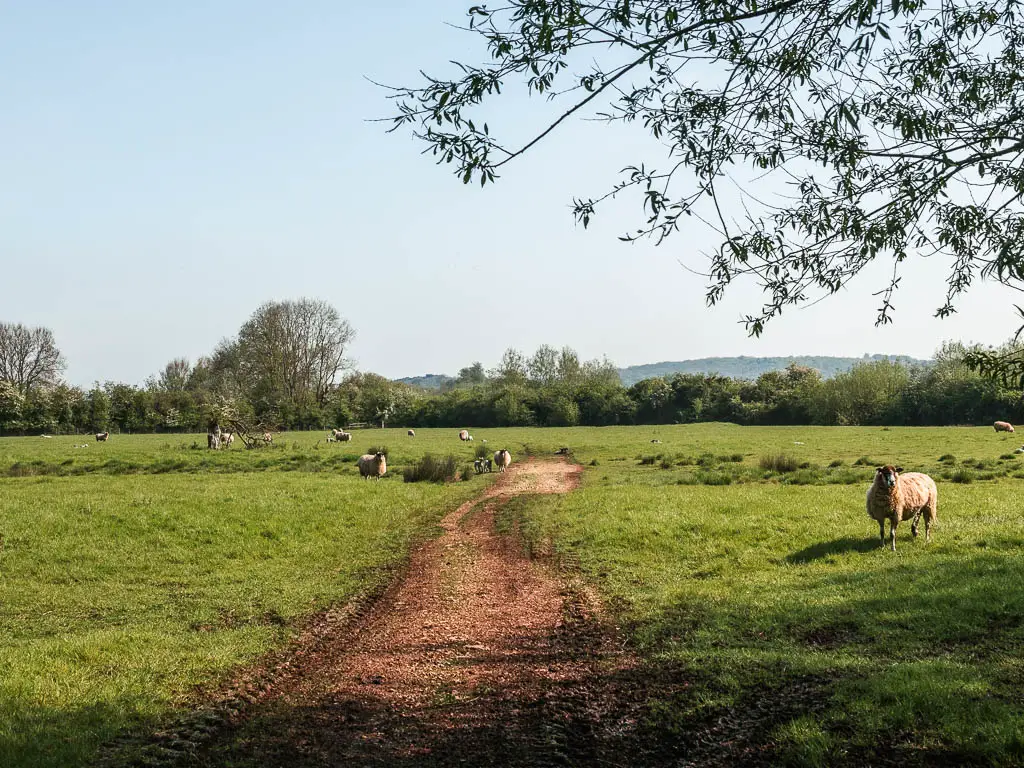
x,y
752,367
734,367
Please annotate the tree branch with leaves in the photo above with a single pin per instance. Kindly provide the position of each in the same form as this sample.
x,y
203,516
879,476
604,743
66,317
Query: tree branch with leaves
x,y
813,137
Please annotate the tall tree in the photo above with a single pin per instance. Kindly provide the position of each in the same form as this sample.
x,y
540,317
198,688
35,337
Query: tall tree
x,y
29,357
814,136
290,350
175,376
543,366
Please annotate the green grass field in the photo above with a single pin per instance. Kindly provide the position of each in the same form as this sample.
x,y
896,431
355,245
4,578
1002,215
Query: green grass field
x,y
134,570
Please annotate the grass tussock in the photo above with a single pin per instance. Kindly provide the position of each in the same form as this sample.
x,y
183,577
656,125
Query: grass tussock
x,y
779,462
963,476
433,469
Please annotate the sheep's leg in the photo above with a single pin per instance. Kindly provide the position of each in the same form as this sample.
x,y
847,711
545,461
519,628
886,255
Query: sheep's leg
x,y
881,531
917,519
893,522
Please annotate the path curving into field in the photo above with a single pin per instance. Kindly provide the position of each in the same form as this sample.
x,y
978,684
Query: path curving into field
x,y
479,655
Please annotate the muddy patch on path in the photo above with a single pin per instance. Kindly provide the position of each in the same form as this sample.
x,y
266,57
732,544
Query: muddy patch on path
x,y
478,655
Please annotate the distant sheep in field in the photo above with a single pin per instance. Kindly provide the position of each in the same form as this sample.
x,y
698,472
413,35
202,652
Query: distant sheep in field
x,y
373,465
226,439
341,435
101,437
412,433
268,438
1003,426
488,464
895,497
478,465
502,459
464,435
212,441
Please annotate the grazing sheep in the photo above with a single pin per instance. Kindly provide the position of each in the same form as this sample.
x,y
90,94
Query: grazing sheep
x,y
655,440
895,497
464,435
1003,426
563,451
478,465
502,458
488,464
412,433
48,437
213,441
101,437
331,439
268,438
373,465
226,439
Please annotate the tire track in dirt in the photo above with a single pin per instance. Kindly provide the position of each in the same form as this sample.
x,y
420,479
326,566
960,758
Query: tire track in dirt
x,y
477,656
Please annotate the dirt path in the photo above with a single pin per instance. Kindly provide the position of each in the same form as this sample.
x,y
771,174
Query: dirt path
x,y
478,656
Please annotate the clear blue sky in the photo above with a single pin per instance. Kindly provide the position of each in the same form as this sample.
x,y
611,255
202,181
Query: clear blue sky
x,y
168,167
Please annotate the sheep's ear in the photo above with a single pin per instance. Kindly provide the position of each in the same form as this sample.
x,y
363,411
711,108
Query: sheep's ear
x,y
879,469
899,469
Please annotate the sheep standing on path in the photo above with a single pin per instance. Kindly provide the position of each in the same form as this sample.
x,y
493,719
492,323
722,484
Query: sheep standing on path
x,y
373,465
895,497
502,458
1003,426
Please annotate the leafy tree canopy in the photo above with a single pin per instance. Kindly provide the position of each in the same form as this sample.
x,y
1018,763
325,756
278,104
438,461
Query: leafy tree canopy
x,y
814,136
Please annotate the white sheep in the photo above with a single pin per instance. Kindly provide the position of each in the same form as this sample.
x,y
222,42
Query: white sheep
x,y
502,458
1003,426
101,437
895,497
373,465
412,433
464,435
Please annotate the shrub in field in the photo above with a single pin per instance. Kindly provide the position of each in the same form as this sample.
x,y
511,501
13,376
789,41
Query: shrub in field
x,y
432,469
734,457
714,478
706,460
666,463
1009,456
835,463
467,472
949,458
866,461
779,462
647,460
962,476
481,452
378,449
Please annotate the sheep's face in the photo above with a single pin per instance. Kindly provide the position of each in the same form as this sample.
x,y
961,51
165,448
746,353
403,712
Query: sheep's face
x,y
889,474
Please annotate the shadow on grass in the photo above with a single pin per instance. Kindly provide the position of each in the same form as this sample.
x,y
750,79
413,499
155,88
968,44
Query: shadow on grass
x,y
33,736
829,548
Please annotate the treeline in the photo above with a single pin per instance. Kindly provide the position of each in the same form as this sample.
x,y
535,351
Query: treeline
x,y
550,388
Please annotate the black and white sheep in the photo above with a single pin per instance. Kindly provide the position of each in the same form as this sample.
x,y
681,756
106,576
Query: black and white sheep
x,y
502,458
896,497
373,465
